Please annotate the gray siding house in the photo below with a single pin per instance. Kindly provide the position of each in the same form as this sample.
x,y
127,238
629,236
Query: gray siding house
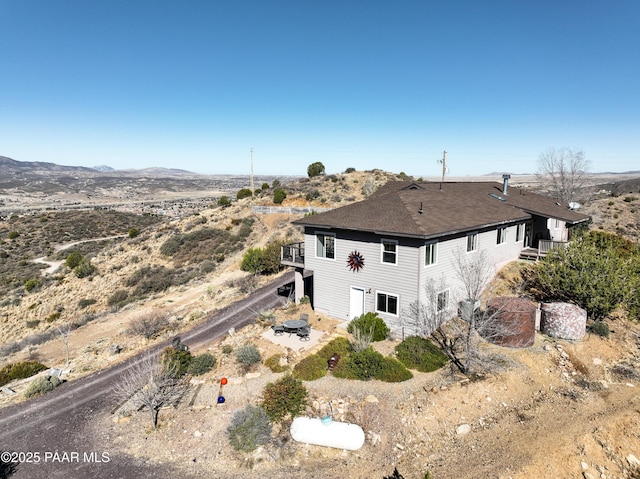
x,y
378,254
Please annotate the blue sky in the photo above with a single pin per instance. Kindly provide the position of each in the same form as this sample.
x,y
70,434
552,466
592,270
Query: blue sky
x,y
363,84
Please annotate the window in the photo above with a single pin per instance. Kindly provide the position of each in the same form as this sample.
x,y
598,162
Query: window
x,y
502,235
389,251
431,253
443,301
557,225
325,246
519,232
387,303
472,242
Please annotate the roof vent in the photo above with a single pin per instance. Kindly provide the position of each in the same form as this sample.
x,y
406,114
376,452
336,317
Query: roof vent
x,y
505,184
420,210
497,197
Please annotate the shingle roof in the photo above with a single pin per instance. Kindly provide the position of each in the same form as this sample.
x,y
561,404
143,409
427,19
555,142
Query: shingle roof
x,y
458,206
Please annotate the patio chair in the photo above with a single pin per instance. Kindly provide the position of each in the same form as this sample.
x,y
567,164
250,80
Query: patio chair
x,y
278,329
304,317
303,333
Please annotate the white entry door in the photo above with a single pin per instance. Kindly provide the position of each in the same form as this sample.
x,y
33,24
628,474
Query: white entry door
x,y
356,305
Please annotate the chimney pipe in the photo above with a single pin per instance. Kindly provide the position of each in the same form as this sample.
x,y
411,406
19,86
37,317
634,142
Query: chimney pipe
x,y
505,184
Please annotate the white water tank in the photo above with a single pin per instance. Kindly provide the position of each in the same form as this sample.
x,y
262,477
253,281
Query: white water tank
x,y
325,432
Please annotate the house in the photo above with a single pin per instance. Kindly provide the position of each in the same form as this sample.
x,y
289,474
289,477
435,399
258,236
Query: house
x,y
378,254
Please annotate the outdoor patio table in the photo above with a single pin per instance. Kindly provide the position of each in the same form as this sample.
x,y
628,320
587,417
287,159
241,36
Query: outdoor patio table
x,y
293,325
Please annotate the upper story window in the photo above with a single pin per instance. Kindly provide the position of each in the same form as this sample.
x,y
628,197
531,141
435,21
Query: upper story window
x,y
519,232
472,242
557,224
325,245
431,253
502,235
389,251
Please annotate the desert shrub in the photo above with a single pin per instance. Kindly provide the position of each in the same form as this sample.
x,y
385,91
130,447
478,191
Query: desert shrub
x,y
33,323
176,361
151,279
287,397
42,385
247,284
279,195
393,371
252,261
224,201
31,284
171,245
13,234
312,195
350,170
366,364
243,193
273,363
20,370
201,364
421,354
311,368
315,169
73,259
53,316
118,298
84,303
227,349
248,355
600,328
207,266
367,321
249,428
84,268
133,232
148,325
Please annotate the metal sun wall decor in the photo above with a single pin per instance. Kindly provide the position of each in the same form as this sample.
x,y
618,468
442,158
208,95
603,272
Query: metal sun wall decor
x,y
355,261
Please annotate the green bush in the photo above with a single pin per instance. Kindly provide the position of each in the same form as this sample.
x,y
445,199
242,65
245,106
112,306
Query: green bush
x,y
421,354
118,298
252,261
350,170
273,363
600,328
249,428
13,234
224,201
279,195
42,385
73,259
248,355
20,370
315,169
243,193
133,232
393,371
31,284
84,303
176,361
84,268
310,368
366,364
287,397
227,349
201,364
367,321
171,245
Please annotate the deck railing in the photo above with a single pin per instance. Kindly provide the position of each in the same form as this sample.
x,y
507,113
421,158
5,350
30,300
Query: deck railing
x,y
544,246
292,254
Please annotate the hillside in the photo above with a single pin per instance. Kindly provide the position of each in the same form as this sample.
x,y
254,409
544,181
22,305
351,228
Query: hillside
x,y
550,409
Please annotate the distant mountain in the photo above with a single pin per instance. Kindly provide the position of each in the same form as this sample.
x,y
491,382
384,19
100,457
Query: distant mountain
x,y
10,166
103,168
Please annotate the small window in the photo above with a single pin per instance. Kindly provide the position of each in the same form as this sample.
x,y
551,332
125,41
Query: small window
x,y
387,303
472,242
431,253
389,251
520,232
443,301
325,246
502,235
557,224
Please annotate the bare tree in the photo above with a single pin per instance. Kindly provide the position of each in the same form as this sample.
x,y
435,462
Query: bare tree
x,y
148,324
65,330
563,172
460,337
153,385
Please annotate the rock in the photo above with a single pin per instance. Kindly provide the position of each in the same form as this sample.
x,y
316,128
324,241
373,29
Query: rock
x,y
115,349
584,466
633,460
597,361
252,375
463,429
371,399
197,434
587,475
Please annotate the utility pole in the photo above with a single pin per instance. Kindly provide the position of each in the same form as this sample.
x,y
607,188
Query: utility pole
x,y
252,188
444,166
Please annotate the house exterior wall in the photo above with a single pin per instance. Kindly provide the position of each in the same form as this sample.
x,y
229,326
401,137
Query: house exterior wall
x,y
406,280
